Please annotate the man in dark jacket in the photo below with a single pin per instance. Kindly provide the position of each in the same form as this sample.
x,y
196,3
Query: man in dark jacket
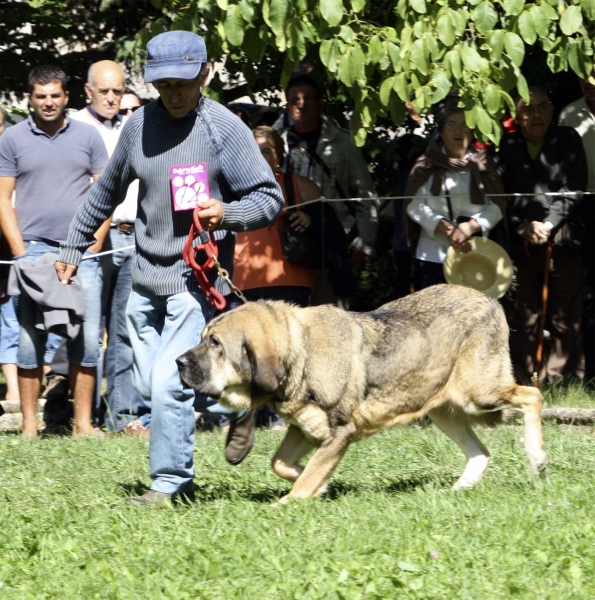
x,y
538,164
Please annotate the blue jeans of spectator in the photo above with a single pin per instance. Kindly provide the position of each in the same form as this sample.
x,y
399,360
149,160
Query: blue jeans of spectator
x,y
9,333
124,403
161,328
84,349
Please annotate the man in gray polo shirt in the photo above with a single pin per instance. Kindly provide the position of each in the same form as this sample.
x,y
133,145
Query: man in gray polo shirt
x,y
48,160
167,311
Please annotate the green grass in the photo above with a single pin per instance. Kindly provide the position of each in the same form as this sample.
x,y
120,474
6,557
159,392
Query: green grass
x,y
575,395
66,531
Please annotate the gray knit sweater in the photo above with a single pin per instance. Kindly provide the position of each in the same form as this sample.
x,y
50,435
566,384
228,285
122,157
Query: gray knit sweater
x,y
150,143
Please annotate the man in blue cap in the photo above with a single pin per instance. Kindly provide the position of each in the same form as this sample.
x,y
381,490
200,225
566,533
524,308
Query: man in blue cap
x,y
167,311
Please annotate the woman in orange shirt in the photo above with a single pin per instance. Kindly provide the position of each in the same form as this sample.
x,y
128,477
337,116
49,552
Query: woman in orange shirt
x,y
260,270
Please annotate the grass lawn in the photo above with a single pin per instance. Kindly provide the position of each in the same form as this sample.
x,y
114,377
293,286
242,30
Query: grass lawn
x,y
387,529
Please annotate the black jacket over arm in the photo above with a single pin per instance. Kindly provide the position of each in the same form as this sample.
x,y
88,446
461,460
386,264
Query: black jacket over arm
x,y
560,166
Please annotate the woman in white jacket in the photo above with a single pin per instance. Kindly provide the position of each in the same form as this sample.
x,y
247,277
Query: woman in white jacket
x,y
451,182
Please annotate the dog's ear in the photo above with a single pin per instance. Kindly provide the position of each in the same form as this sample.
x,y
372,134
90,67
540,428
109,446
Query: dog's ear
x,y
267,368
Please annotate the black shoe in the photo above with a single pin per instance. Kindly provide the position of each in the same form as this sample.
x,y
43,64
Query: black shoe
x,y
240,438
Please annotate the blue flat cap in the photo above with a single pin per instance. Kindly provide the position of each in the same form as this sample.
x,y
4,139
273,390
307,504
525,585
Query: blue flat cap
x,y
175,55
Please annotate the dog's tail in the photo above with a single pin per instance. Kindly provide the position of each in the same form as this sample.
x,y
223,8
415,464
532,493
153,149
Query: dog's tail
x,y
491,419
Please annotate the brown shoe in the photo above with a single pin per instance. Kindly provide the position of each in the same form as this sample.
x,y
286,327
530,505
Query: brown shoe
x,y
151,498
135,427
240,438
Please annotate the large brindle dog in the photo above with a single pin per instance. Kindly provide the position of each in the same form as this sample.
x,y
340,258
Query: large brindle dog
x,y
337,377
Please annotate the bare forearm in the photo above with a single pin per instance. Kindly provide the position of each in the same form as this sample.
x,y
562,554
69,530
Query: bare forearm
x,y
10,227
100,236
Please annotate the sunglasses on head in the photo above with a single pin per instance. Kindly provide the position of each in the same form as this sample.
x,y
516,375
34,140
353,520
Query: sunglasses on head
x,y
124,111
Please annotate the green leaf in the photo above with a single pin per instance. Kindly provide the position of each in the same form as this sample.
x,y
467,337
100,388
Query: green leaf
x,y
384,61
332,11
347,33
460,21
579,62
222,4
358,5
418,6
359,61
406,40
441,85
496,134
471,59
572,20
275,13
347,69
253,45
484,16
433,45
398,111
386,89
549,11
515,48
393,52
493,99
446,31
509,102
513,7
401,88
420,56
484,121
234,26
454,61
374,50
588,7
247,9
496,42
540,22
522,87
470,117
330,54
527,28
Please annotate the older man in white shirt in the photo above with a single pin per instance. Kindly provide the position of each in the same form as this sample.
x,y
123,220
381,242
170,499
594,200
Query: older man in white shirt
x,y
109,106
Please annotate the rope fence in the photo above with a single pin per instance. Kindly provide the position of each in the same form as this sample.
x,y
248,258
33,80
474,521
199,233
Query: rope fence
x,y
565,194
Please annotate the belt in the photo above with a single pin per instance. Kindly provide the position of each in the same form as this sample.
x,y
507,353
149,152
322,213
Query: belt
x,y
124,227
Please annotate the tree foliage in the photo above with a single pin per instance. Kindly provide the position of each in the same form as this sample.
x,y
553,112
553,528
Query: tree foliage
x,y
383,53
375,54
70,33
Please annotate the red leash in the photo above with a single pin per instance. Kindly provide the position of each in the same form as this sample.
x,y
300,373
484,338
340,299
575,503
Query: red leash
x,y
206,243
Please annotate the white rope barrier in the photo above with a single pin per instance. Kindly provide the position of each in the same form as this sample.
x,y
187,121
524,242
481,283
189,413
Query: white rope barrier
x,y
368,199
565,194
99,254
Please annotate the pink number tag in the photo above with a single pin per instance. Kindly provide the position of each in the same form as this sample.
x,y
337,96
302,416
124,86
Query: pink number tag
x,y
189,185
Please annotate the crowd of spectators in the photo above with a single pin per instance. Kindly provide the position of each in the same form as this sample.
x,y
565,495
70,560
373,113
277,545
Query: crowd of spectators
x,y
528,196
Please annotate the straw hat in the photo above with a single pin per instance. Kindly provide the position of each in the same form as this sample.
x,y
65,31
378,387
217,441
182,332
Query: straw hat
x,y
486,267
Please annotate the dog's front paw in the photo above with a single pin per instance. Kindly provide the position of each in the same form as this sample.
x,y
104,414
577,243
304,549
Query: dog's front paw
x,y
281,502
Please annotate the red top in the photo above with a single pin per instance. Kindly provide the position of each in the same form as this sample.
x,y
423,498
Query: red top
x,y
258,258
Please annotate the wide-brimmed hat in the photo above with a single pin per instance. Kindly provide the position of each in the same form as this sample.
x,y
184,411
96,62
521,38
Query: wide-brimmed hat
x,y
175,55
486,267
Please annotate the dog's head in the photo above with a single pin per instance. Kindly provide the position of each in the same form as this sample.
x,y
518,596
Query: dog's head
x,y
239,357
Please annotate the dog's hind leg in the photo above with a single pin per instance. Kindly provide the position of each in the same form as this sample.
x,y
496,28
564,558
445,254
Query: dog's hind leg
x,y
317,472
292,449
528,399
457,427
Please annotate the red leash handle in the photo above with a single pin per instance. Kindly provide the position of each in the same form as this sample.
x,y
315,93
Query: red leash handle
x,y
207,243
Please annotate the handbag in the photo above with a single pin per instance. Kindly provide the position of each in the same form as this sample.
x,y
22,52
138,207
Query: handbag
x,y
299,247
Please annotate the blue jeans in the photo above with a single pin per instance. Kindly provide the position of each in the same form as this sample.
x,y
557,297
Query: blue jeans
x,y
124,403
83,350
162,328
9,333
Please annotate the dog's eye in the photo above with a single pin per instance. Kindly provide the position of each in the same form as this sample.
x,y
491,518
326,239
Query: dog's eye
x,y
215,343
